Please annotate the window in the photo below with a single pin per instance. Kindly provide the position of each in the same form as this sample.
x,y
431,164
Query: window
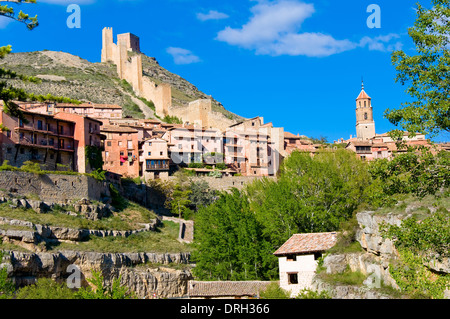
x,y
108,143
61,129
149,153
292,278
365,116
121,153
120,143
8,134
129,144
161,153
39,125
106,154
365,103
291,257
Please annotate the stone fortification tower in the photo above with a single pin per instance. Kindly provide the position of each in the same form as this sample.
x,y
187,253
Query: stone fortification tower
x,y
365,125
129,68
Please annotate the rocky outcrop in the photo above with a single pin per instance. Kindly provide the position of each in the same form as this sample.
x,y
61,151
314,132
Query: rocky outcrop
x,y
144,280
373,262
38,233
83,207
368,234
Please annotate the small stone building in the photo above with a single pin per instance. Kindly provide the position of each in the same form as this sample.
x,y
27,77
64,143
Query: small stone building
x,y
297,259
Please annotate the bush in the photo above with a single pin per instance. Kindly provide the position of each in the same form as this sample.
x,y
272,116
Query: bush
x,y
116,291
45,288
274,291
311,294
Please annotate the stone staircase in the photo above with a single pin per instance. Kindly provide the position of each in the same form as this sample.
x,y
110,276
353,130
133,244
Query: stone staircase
x,y
186,232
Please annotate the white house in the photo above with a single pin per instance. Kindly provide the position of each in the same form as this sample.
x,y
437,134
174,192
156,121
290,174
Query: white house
x,y
297,259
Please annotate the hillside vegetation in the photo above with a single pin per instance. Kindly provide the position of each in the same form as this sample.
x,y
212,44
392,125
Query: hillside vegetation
x,y
64,74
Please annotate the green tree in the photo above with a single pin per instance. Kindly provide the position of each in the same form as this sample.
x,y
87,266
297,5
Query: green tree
x,y
312,194
418,173
179,200
9,12
427,72
230,243
7,287
201,194
8,93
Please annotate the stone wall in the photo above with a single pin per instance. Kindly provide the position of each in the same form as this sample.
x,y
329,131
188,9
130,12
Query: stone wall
x,y
53,187
227,182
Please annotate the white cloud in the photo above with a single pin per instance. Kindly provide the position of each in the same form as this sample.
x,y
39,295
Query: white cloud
x,y
274,29
211,15
67,2
307,44
269,22
382,43
182,56
4,21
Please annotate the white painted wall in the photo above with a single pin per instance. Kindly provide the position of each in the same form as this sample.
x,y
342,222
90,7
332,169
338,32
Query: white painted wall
x,y
305,267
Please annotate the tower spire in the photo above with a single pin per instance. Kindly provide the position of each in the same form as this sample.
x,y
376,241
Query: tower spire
x,y
362,83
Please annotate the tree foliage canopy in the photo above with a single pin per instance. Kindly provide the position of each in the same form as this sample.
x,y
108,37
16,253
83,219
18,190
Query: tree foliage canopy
x,y
427,72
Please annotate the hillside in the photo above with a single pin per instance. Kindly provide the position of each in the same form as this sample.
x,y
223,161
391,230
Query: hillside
x,y
64,74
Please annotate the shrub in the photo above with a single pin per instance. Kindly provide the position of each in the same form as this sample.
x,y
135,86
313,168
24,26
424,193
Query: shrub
x,y
116,291
274,291
45,288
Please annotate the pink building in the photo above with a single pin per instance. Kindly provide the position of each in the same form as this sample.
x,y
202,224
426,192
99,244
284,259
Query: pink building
x,y
121,150
87,134
39,138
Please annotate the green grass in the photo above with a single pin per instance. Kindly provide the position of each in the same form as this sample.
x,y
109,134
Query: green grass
x,y
162,241
347,277
421,207
127,219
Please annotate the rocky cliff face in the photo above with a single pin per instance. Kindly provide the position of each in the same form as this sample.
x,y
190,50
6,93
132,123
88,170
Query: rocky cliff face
x,y
373,262
135,269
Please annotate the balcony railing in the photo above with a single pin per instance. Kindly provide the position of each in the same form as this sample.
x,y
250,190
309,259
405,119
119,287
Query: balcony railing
x,y
157,167
43,144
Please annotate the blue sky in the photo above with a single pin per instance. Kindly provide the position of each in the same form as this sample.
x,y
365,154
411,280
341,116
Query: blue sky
x,y
297,63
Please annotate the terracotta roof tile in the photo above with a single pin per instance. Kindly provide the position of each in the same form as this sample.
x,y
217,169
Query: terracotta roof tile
x,y
304,243
226,288
363,95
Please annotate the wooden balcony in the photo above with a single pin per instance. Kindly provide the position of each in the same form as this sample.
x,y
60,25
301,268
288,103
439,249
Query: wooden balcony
x,y
157,167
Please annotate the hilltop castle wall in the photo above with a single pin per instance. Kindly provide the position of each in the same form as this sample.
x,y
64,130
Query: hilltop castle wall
x,y
130,69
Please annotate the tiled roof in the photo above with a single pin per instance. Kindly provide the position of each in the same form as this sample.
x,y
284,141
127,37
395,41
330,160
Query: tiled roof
x,y
226,288
304,243
116,128
363,95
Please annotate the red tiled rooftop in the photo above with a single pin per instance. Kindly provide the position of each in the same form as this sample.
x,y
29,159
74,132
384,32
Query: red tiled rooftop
x,y
305,243
363,95
226,288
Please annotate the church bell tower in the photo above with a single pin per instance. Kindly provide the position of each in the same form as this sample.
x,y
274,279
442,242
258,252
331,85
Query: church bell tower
x,y
365,125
